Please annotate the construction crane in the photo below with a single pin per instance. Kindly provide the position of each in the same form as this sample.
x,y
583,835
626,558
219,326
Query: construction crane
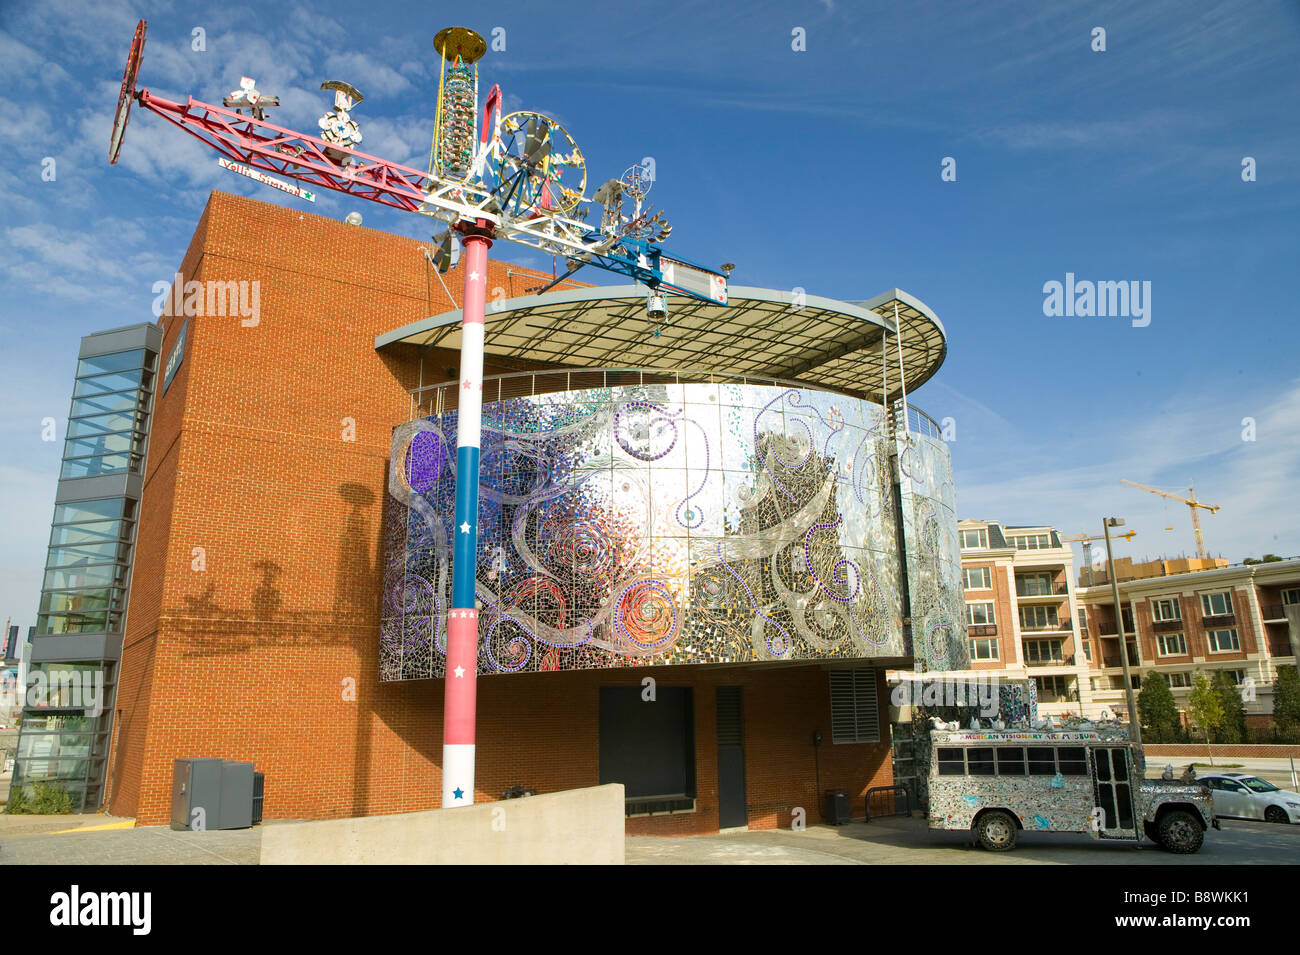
x,y
1192,504
1086,540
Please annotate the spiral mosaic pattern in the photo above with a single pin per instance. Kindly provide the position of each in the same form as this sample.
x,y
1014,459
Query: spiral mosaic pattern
x,y
666,524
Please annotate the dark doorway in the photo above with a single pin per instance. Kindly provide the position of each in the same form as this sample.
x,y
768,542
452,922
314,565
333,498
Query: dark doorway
x,y
731,758
647,743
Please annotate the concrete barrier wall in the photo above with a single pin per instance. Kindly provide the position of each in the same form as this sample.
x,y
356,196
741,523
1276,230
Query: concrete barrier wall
x,y
579,826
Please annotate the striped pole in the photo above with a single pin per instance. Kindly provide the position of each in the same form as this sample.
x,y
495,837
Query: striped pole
x,y
462,618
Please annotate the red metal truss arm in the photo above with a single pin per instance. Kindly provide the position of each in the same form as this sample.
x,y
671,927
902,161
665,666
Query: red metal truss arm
x,y
275,149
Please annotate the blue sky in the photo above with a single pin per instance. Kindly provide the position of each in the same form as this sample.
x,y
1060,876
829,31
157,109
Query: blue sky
x,y
817,168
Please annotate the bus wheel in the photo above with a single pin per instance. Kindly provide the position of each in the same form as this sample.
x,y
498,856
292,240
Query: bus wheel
x,y
996,831
1180,833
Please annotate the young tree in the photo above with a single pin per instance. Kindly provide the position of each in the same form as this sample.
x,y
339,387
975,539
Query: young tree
x,y
1157,709
1205,709
1234,710
1286,703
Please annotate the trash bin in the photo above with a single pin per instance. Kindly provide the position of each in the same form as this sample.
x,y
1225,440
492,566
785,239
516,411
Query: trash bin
x,y
837,807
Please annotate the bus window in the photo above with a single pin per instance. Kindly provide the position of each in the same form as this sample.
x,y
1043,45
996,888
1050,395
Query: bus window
x,y
1074,761
1042,761
1011,761
952,762
980,760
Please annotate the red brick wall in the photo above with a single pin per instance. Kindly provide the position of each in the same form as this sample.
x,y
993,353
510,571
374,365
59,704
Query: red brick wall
x,y
269,653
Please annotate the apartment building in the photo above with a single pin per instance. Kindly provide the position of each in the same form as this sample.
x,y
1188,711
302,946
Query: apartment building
x,y
1022,612
1180,616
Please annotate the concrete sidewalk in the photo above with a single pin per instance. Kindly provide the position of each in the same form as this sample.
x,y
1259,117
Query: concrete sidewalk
x,y
46,840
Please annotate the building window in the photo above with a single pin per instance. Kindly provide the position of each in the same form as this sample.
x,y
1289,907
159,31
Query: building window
x,y
649,749
1216,605
1031,541
1291,596
1179,679
978,614
1038,618
1052,689
1166,609
1033,585
976,539
1044,651
1171,644
1087,649
1223,641
976,578
855,710
1236,676
1083,619
984,649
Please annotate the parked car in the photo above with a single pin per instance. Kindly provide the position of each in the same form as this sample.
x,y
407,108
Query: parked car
x,y
1240,796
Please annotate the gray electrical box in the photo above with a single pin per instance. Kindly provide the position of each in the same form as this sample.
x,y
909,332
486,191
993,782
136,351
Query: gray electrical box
x,y
211,794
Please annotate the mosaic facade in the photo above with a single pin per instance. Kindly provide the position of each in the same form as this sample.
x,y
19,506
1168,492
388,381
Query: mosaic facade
x,y
672,523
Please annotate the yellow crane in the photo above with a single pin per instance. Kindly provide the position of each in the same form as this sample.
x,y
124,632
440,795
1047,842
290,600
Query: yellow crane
x,y
1192,504
1086,540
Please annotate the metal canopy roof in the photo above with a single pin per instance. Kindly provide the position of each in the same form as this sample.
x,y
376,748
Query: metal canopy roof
x,y
762,332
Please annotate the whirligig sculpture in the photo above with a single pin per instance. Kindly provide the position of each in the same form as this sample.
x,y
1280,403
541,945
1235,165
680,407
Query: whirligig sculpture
x,y
519,177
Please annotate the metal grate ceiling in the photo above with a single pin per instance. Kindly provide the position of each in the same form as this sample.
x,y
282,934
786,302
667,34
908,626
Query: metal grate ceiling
x,y
762,332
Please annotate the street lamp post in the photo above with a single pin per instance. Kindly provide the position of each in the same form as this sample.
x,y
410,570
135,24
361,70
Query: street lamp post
x,y
1135,731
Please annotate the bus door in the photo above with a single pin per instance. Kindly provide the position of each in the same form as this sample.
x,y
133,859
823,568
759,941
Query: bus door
x,y
1113,791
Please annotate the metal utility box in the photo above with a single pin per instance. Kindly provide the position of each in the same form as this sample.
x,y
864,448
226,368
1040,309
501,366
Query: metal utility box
x,y
211,794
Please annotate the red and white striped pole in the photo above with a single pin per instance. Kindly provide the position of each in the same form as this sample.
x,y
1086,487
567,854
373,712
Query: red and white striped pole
x,y
462,619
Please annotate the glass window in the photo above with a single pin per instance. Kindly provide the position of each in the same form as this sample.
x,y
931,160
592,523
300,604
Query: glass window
x,y
979,614
93,533
1072,761
1011,761
95,575
1291,596
103,444
118,361
106,423
1042,761
976,538
977,578
984,649
952,761
1039,617
1171,644
115,403
1167,609
1223,640
88,510
107,464
1216,605
53,601
1034,585
101,384
96,622
979,760
100,553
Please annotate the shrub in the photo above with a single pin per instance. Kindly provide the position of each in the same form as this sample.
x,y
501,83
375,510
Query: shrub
x,y
47,799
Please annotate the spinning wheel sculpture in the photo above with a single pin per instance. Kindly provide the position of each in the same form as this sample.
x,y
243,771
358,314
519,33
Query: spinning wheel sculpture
x,y
539,168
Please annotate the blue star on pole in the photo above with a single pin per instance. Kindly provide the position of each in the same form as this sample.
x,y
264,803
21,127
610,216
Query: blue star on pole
x,y
458,793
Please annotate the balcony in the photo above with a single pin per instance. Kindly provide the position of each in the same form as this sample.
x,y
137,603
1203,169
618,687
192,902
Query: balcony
x,y
1273,613
1066,660
1059,626
982,630
1030,593
1166,626
1219,620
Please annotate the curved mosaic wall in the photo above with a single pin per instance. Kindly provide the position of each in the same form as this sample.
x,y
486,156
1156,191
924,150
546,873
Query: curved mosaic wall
x,y
665,524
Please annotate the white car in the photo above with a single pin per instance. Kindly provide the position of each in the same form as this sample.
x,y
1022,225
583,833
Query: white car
x,y
1240,796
